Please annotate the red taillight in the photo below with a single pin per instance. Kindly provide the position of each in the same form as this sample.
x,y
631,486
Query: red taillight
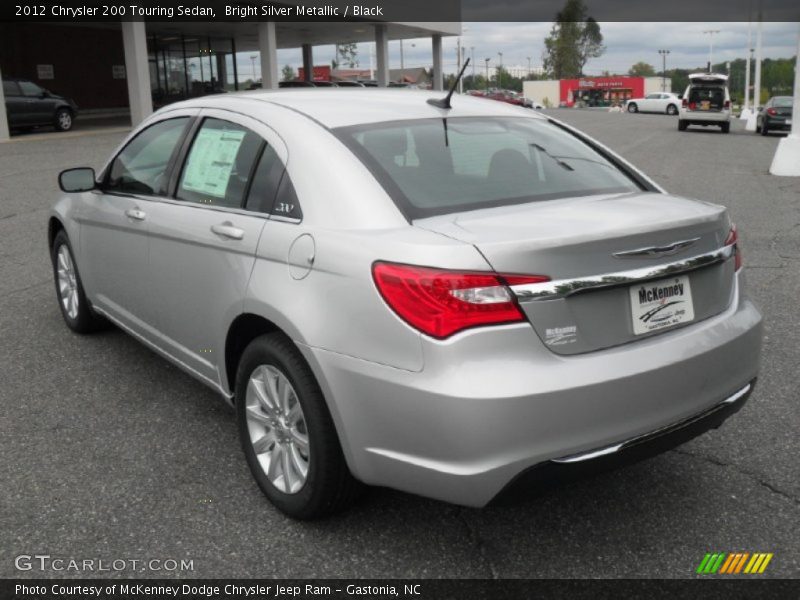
x,y
440,303
726,104
772,112
733,240
684,103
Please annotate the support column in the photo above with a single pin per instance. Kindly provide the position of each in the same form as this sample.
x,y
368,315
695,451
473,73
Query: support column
x,y
268,47
4,133
786,161
137,70
222,70
382,55
308,62
438,79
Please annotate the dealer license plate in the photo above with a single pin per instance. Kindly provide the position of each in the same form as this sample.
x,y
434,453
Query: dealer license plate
x,y
661,304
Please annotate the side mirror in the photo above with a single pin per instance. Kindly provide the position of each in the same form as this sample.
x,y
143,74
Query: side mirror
x,y
81,179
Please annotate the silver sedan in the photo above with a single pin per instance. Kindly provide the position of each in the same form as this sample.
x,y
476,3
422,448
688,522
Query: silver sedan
x,y
459,302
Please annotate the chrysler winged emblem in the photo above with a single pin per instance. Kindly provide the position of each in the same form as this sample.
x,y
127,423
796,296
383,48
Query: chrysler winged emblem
x,y
656,251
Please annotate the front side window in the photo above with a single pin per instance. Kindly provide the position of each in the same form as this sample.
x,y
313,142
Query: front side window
x,y
30,89
439,166
220,164
141,167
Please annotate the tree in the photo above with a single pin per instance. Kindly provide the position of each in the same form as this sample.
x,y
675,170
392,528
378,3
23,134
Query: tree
x,y
287,73
574,39
642,69
347,55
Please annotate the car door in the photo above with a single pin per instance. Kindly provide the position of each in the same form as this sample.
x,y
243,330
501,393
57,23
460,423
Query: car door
x,y
38,105
16,104
203,240
649,103
114,223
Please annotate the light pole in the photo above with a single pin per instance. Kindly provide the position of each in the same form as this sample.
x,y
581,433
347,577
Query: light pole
x,y
499,68
711,33
253,58
529,67
487,72
746,109
402,64
663,54
472,60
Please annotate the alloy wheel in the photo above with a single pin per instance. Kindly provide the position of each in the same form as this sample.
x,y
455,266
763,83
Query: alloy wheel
x,y
65,120
67,281
277,429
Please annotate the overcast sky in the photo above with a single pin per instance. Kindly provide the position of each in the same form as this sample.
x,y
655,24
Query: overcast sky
x,y
626,44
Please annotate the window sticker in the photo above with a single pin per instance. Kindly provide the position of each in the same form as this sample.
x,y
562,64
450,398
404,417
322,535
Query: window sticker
x,y
211,161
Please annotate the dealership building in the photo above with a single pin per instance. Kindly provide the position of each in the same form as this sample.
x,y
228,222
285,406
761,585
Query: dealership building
x,y
139,66
593,91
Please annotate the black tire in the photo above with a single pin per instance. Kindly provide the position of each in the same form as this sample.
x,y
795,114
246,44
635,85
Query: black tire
x,y
758,127
632,108
764,128
85,320
682,125
63,119
329,486
726,127
672,109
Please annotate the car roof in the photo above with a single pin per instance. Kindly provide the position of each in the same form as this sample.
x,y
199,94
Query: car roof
x,y
342,107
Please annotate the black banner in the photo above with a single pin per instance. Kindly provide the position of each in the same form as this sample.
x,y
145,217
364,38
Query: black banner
x,y
396,589
388,10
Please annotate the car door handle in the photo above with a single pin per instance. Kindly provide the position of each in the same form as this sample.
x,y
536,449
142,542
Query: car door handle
x,y
227,230
135,213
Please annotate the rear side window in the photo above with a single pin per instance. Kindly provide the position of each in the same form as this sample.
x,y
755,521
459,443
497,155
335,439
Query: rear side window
x,y
10,88
141,167
220,164
439,166
272,191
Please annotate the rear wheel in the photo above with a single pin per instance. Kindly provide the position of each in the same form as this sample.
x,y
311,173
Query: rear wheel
x,y
764,128
682,125
75,308
63,119
726,127
632,108
672,109
287,433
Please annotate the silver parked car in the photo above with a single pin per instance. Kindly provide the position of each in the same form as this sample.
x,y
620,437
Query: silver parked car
x,y
456,302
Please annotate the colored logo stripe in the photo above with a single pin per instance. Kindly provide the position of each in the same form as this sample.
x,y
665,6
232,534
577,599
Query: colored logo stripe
x,y
734,563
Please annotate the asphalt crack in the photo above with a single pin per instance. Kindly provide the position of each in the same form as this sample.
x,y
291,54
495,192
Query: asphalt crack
x,y
477,542
754,476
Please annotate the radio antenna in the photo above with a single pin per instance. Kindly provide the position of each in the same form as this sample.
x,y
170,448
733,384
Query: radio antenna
x,y
445,102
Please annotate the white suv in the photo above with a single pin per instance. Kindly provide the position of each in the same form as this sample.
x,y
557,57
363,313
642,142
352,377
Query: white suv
x,y
706,102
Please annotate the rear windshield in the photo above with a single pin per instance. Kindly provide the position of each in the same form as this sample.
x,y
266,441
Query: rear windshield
x,y
439,166
785,102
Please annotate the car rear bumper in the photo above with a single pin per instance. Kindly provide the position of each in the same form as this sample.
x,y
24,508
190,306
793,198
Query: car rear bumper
x,y
493,404
699,117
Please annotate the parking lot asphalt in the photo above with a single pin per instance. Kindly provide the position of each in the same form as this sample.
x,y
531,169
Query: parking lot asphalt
x,y
109,452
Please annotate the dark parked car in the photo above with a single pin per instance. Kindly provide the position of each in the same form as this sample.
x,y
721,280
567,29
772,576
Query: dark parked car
x,y
775,115
29,105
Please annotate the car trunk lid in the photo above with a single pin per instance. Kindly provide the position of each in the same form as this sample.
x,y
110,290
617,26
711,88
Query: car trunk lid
x,y
578,240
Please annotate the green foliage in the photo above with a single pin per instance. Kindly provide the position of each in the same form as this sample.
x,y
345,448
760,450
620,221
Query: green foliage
x,y
287,73
641,69
347,55
574,39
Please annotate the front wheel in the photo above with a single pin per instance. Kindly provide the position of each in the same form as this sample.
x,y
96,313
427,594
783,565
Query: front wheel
x,y
63,119
632,108
75,308
287,433
672,110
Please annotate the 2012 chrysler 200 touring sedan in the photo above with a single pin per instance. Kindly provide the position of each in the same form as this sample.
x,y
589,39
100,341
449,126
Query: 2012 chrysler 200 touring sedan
x,y
455,302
